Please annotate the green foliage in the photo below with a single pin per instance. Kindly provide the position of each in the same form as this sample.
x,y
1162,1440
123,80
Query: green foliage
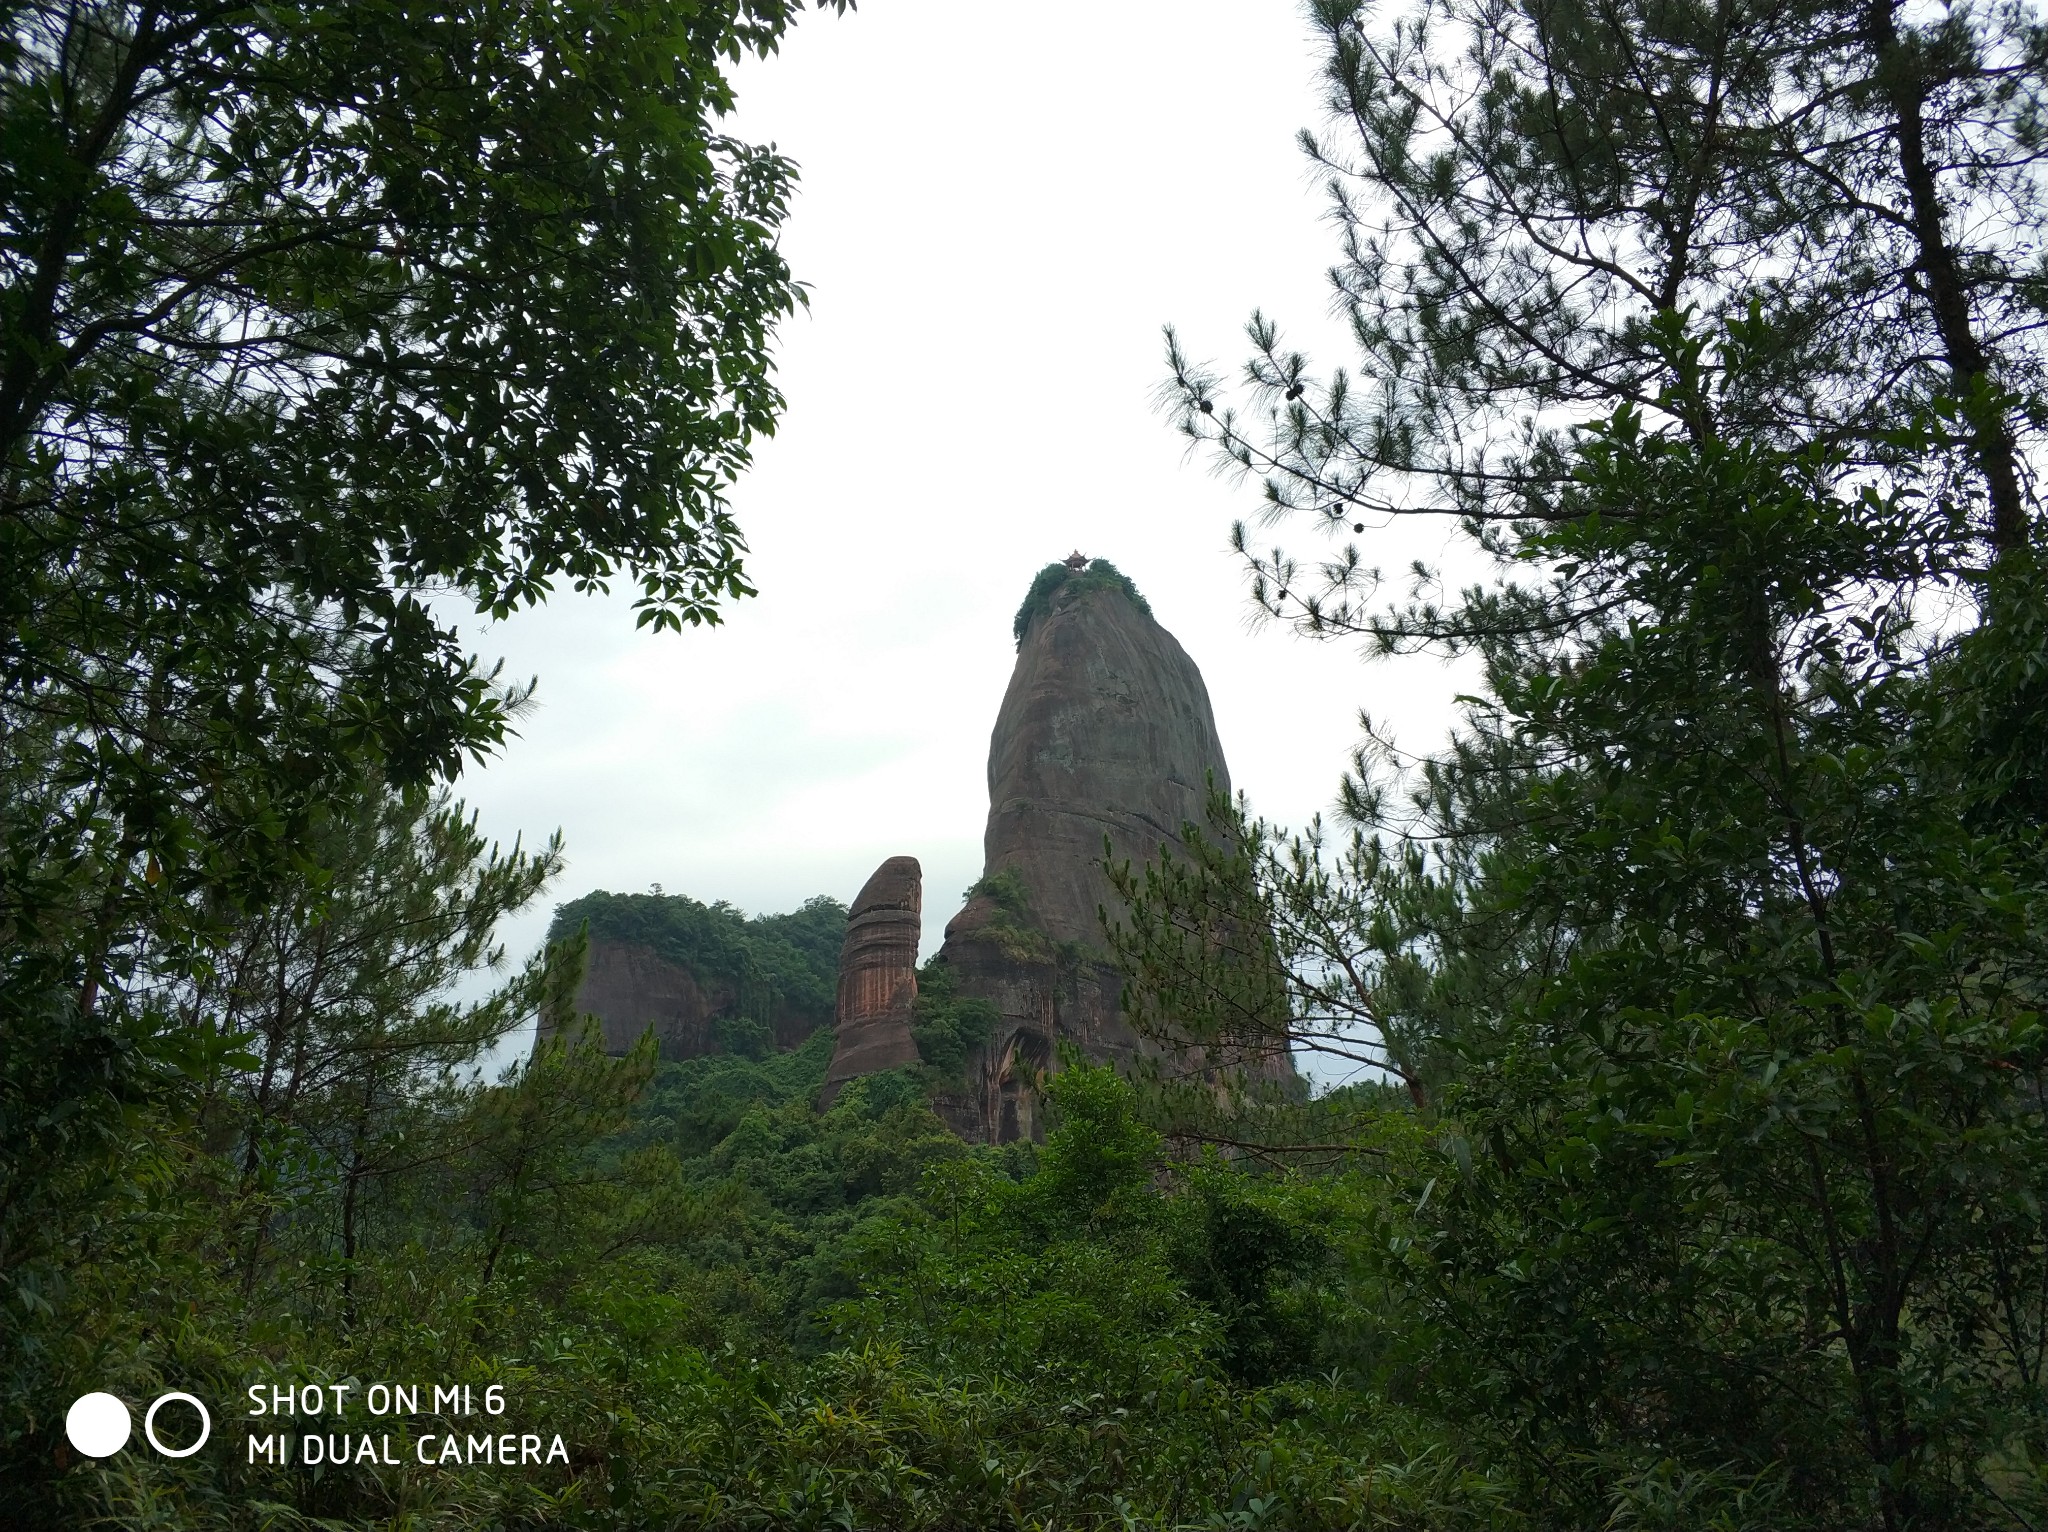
x,y
1713,950
1010,924
1697,1177
1056,585
1776,1108
1709,949
320,1118
815,931
1005,889
794,1184
737,1310
1100,1156
1246,1253
306,313
1081,1265
476,300
948,1026
702,1100
1527,193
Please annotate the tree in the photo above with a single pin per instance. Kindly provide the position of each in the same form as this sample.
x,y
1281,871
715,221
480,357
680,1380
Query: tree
x,y
310,315
331,1012
1720,926
307,313
1713,933
1752,1172
1526,192
316,1059
1245,947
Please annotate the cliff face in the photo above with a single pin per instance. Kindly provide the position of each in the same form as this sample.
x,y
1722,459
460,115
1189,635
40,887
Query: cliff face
x,y
1105,731
705,978
878,976
630,988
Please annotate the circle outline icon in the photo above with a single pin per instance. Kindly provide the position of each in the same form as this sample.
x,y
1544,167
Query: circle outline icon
x,y
91,1414
149,1425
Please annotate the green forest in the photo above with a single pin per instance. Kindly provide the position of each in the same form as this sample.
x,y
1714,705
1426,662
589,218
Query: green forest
x,y
1694,1172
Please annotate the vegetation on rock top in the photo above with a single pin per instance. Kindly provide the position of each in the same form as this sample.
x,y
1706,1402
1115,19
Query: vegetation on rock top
x,y
776,964
1056,584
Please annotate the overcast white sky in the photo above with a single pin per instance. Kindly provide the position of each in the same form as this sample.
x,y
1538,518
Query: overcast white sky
x,y
999,208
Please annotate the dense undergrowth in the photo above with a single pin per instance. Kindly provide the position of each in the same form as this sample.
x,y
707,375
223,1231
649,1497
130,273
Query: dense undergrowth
x,y
737,1311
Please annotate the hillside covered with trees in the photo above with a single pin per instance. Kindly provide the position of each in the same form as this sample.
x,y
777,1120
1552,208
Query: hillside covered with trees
x,y
1695,1168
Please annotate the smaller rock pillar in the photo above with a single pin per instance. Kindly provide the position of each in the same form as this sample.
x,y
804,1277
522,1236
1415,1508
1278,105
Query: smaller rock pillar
x,y
878,976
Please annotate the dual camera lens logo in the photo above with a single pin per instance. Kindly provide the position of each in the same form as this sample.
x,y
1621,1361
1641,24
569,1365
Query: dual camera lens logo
x,y
99,1425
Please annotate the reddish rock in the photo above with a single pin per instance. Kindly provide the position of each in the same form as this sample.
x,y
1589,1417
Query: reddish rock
x,y
878,976
1105,730
630,989
1105,733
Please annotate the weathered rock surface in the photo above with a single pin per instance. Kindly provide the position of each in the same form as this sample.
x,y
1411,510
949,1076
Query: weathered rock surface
x,y
630,988
878,976
704,978
1106,731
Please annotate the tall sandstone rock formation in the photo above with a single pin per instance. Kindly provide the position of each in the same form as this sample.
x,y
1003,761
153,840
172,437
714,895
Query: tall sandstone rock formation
x,y
878,976
1105,731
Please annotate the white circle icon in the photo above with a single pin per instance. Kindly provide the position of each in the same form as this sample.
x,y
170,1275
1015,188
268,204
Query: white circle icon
x,y
149,1426
97,1425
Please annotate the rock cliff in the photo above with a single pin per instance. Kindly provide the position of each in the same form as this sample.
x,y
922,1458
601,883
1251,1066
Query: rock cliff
x,y
630,988
1105,732
878,976
704,978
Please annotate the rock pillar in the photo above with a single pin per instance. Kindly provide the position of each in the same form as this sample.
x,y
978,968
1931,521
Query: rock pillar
x,y
878,976
1105,733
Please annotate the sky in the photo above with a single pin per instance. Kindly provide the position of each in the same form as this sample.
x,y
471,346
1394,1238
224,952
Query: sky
x,y
998,209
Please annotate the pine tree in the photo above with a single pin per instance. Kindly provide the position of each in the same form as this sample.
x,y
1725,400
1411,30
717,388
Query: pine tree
x,y
1529,193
